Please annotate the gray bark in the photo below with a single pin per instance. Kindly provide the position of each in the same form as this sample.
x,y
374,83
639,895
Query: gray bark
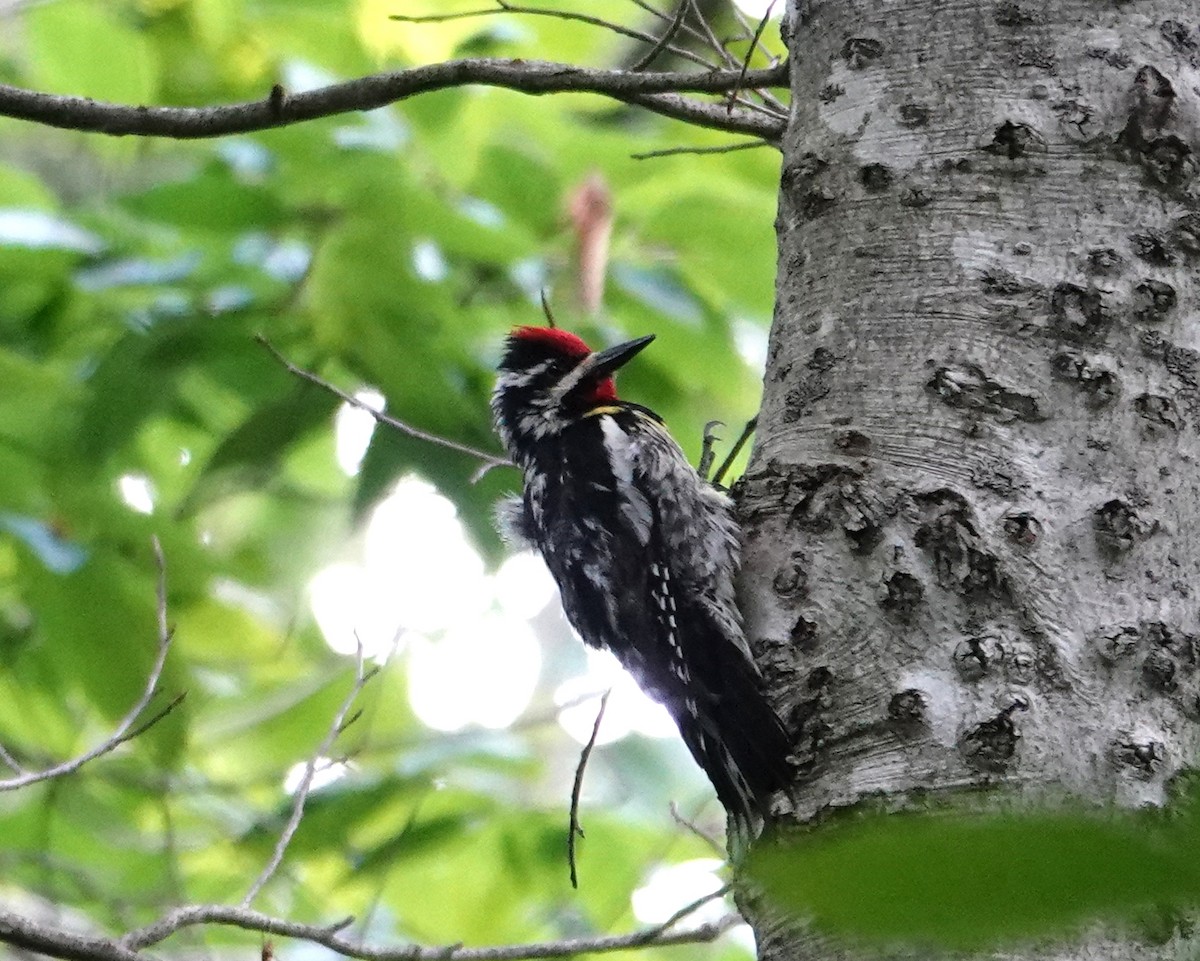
x,y
973,501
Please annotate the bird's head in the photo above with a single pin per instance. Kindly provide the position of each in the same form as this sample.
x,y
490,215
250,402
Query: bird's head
x,y
549,378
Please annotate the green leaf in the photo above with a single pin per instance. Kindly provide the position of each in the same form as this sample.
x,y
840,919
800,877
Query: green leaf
x,y
80,48
972,881
21,189
99,631
31,400
723,214
263,731
213,200
249,457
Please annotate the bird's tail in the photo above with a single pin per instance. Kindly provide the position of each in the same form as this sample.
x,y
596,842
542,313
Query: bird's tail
x,y
743,747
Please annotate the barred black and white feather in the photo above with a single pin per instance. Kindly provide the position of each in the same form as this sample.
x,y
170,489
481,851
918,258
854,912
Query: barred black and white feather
x,y
644,553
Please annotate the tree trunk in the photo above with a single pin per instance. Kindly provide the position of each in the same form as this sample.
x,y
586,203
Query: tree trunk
x,y
972,507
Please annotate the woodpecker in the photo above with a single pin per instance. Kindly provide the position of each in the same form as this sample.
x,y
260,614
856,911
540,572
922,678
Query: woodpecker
x,y
644,552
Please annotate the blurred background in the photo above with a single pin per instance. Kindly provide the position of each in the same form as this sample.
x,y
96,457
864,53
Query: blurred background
x,y
390,253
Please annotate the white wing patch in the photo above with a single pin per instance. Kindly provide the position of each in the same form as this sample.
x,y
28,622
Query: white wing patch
x,y
634,506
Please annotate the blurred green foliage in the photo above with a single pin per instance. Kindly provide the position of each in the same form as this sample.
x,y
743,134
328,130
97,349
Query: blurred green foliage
x,y
969,881
393,249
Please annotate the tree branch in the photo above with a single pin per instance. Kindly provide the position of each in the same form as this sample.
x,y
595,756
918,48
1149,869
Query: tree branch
x,y
339,724
488,460
714,116
663,42
503,7
574,828
754,41
125,731
57,942
700,151
706,30
330,937
656,91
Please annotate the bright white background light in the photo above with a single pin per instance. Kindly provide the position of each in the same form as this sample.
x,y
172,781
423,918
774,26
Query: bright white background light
x,y
325,771
483,673
674,886
628,708
353,428
137,492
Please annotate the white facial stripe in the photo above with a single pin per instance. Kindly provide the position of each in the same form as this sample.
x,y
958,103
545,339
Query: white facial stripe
x,y
572,379
522,378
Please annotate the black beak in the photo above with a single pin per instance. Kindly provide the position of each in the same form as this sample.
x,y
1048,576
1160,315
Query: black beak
x,y
604,362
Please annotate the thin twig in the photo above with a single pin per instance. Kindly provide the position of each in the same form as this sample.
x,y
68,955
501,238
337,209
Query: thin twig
x,y
550,322
574,829
502,7
11,761
767,97
723,148
156,717
667,18
753,120
691,908
125,730
331,938
773,108
656,91
775,105
756,34
747,431
663,42
490,460
762,25
717,46
340,723
703,835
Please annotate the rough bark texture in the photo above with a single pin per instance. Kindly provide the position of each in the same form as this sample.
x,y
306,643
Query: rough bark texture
x,y
975,499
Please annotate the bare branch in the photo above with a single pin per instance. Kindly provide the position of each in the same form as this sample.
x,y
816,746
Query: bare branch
x,y
668,18
56,942
329,936
706,29
688,909
663,42
717,847
125,730
489,460
739,120
756,35
723,148
657,91
502,6
762,25
11,761
706,36
574,829
754,40
339,724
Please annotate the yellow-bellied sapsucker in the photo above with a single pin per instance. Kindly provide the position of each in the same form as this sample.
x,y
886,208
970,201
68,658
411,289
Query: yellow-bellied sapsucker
x,y
644,552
